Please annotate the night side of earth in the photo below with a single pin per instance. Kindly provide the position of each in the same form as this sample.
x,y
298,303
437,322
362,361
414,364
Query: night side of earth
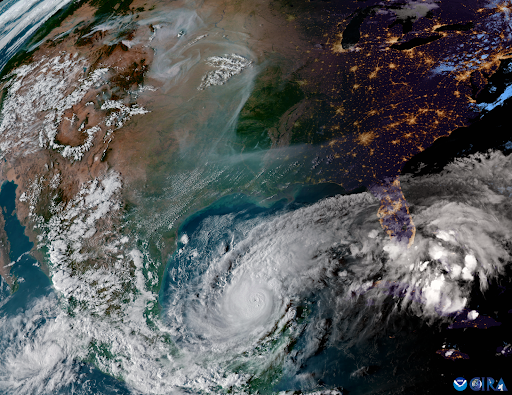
x,y
255,196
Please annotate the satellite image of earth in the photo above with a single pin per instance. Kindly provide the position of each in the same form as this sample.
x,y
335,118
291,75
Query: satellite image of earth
x,y
255,196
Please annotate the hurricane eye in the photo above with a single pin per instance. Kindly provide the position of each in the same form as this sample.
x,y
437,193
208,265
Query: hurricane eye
x,y
257,300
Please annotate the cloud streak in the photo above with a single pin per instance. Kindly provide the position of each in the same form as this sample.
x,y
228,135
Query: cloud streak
x,y
19,20
244,289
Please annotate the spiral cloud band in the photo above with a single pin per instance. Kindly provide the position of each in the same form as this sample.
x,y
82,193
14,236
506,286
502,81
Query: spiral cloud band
x,y
254,290
247,298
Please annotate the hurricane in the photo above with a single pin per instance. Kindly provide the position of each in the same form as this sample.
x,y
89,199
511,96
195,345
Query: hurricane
x,y
205,197
257,290
235,294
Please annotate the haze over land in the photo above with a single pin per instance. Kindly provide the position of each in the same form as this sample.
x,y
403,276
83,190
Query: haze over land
x,y
159,150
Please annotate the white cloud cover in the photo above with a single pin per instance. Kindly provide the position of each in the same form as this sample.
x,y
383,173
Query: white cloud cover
x,y
20,19
38,95
240,308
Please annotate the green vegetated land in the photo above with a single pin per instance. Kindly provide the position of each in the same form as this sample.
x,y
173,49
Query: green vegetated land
x,y
271,98
280,106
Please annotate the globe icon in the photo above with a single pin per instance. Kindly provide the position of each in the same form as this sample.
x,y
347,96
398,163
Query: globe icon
x,y
476,384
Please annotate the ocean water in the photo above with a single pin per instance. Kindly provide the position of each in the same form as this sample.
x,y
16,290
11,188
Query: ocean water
x,y
29,310
243,209
31,282
36,345
256,289
218,301
261,297
296,355
196,277
310,293
28,314
29,328
20,19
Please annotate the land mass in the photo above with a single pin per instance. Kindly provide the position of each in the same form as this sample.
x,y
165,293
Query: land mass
x,y
124,121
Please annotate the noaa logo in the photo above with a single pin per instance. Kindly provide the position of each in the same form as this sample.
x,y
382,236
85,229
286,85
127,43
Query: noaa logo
x,y
460,383
475,384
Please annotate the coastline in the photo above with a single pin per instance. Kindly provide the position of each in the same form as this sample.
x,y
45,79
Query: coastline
x,y
4,253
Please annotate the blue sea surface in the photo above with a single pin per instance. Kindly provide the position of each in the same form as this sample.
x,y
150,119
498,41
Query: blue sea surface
x,y
244,213
33,284
19,20
244,208
331,366
31,281
370,366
